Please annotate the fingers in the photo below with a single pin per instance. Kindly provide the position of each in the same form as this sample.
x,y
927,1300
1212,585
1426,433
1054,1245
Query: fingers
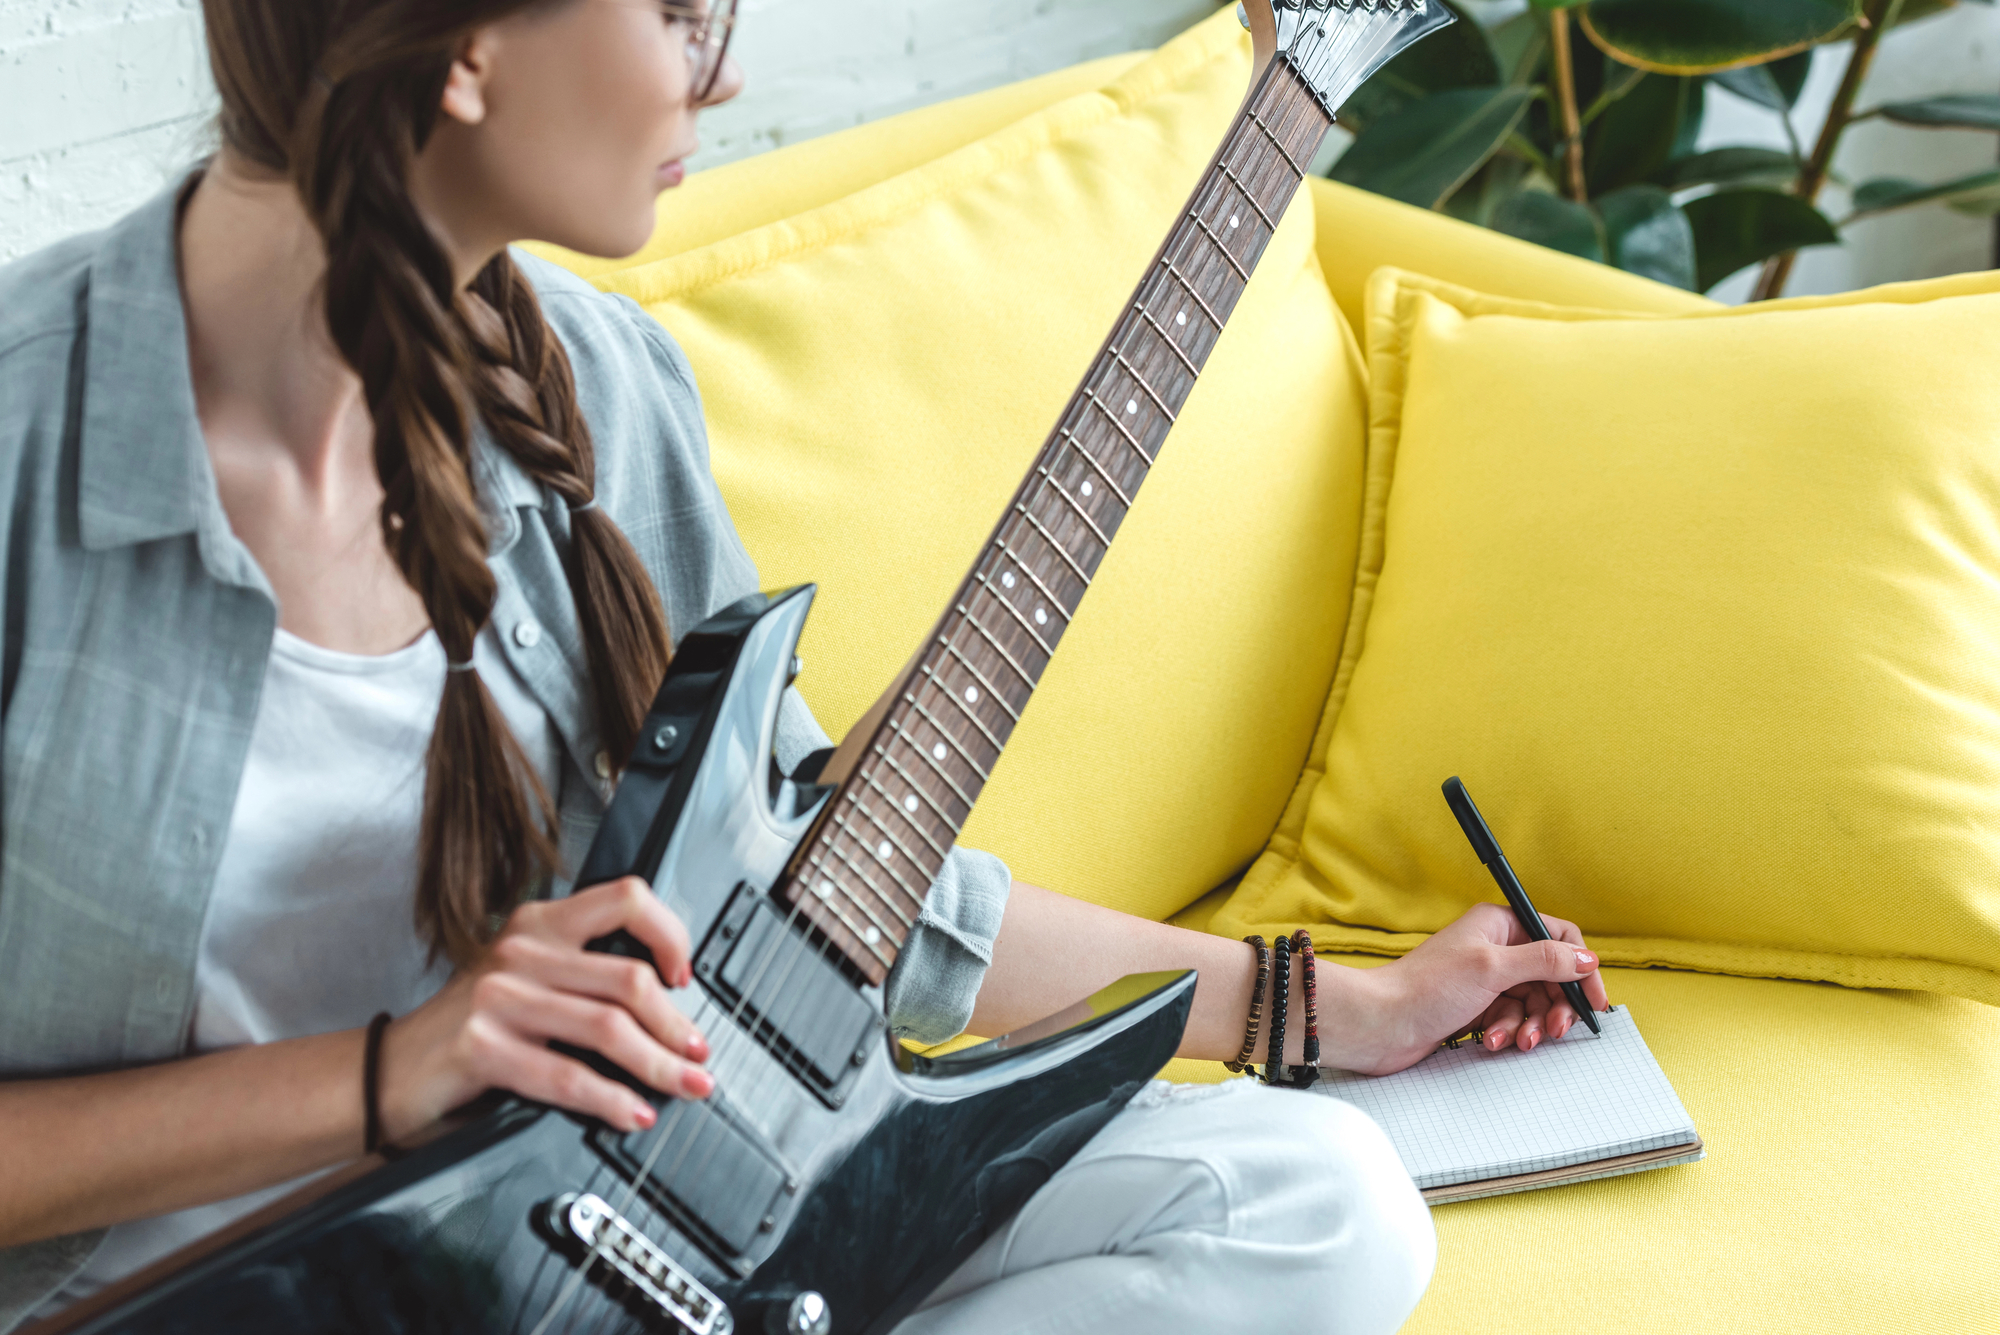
x,y
1536,962
632,984
533,1071
627,903
1535,1027
1503,1021
532,1010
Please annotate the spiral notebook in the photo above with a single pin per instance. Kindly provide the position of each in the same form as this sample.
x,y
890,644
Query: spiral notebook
x,y
1468,1122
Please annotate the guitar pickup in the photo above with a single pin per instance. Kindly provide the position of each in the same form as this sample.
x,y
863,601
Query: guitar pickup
x,y
805,1011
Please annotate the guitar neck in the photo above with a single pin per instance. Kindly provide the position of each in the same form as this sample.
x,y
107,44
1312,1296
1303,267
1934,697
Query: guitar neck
x,y
861,877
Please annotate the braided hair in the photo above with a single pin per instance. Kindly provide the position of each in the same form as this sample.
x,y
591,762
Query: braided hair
x,y
340,96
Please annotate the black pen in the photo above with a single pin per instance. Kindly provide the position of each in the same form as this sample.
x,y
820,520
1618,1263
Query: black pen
x,y
1488,849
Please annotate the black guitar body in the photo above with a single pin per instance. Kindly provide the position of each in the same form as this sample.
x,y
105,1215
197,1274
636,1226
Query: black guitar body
x,y
829,1162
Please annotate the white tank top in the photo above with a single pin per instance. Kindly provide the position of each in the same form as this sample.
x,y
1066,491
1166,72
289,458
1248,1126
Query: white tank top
x,y
309,927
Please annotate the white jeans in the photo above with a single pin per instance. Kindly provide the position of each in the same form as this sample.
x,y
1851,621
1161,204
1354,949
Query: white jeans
x,y
1205,1208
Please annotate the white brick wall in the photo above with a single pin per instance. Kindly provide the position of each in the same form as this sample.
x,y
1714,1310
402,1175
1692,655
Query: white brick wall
x,y
102,100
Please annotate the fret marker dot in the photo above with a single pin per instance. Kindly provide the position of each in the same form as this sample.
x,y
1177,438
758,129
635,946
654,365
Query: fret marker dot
x,y
1086,489
1131,405
938,751
972,695
1041,617
872,935
824,889
884,849
1232,220
1180,317
1007,580
910,802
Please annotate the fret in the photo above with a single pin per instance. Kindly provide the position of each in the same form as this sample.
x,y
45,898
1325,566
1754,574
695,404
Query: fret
x,y
1216,241
1062,605
1119,357
1015,612
1276,143
1091,459
937,683
1060,550
992,691
950,738
1112,417
1213,318
886,861
1075,505
854,800
1248,197
999,648
881,898
823,899
942,851
1166,338
919,790
924,754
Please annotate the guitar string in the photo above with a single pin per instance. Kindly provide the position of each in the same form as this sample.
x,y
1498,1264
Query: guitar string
x,y
800,947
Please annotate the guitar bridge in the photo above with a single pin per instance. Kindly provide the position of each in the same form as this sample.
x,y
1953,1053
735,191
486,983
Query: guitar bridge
x,y
663,1283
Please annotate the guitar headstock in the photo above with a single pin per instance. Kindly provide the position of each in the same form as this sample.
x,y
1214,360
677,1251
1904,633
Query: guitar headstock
x,y
1335,44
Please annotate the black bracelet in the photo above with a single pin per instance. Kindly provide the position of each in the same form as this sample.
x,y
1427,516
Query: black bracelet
x,y
371,1091
1256,1006
1281,986
1307,1072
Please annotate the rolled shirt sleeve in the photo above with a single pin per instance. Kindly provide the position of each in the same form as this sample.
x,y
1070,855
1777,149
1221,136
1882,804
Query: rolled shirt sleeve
x,y
937,975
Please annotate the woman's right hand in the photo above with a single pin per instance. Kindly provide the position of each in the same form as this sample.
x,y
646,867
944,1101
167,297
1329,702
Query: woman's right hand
x,y
490,1026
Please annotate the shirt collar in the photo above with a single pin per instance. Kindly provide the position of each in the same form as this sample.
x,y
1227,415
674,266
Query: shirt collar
x,y
143,470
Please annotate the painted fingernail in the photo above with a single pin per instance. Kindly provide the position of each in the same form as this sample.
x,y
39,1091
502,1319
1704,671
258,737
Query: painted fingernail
x,y
1496,1039
698,1084
1584,959
686,975
698,1047
643,1114
1529,1039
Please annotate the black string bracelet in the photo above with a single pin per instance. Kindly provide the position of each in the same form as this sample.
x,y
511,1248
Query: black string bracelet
x,y
1256,1017
1307,1072
1281,984
371,1091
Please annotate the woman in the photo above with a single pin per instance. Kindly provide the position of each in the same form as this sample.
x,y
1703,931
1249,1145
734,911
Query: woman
x,y
343,545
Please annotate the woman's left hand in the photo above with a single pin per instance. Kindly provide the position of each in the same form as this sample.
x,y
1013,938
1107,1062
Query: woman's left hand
x,y
1481,972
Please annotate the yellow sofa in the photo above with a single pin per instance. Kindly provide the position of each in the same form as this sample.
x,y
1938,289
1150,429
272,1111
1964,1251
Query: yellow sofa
x,y
884,323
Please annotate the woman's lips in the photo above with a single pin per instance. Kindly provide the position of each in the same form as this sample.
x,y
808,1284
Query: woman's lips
x,y
670,174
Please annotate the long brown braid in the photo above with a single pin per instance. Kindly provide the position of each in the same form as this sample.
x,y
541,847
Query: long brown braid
x,y
340,97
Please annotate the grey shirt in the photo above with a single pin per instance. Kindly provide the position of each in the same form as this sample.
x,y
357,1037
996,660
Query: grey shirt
x,y
137,627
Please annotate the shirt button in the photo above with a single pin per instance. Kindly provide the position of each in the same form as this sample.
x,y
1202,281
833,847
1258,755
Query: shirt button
x,y
527,634
604,764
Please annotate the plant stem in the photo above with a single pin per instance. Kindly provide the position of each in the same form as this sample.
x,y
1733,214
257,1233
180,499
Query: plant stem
x,y
1875,16
1572,127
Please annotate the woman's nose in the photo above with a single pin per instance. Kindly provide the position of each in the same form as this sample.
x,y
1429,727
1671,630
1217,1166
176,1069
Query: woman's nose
x,y
728,83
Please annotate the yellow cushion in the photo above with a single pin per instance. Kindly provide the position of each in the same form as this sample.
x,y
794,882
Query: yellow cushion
x,y
878,372
1848,1187
1705,609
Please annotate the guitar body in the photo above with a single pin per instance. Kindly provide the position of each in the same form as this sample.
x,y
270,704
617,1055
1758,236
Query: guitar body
x,y
833,1178
874,1184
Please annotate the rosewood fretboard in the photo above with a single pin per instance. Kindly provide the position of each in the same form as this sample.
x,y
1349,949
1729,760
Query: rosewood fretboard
x,y
862,875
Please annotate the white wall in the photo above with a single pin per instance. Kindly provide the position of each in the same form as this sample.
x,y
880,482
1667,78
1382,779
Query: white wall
x,y
102,100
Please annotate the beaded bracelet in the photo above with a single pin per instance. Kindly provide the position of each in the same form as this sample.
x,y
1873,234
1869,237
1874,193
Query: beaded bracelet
x,y
1256,1004
1307,1072
1281,989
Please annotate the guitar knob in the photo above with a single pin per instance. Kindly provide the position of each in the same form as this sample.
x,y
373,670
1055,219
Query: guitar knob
x,y
806,1314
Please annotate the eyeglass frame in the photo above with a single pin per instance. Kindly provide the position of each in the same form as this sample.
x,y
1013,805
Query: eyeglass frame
x,y
702,21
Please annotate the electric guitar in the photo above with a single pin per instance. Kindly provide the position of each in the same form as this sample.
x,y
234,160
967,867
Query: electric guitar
x,y
833,1178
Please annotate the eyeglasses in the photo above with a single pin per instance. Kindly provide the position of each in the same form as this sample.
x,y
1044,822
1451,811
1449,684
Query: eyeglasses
x,y
709,26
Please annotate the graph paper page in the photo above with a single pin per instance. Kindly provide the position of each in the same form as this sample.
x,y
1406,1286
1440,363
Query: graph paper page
x,y
1467,1115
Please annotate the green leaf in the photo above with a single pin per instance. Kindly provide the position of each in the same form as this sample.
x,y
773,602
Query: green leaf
x,y
1423,152
1735,228
1775,84
1703,36
1892,192
1966,111
1460,56
1552,221
1641,132
1647,235
1735,165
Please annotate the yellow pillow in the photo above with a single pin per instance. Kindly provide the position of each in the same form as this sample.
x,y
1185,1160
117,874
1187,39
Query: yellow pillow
x,y
877,374
1705,610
